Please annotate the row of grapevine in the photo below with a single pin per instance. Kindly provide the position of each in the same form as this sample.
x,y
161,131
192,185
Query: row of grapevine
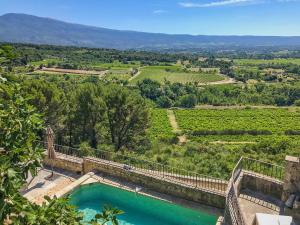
x,y
160,126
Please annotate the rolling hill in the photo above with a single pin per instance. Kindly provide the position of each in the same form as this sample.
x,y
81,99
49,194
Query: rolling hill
x,y
22,28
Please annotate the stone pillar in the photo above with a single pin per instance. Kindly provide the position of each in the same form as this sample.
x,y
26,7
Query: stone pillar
x,y
291,177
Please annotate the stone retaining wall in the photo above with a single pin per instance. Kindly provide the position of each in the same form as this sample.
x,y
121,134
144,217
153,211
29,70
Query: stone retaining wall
x,y
262,184
62,161
292,185
154,183
291,177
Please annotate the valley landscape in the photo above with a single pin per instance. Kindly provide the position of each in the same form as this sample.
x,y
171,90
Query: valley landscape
x,y
257,114
148,103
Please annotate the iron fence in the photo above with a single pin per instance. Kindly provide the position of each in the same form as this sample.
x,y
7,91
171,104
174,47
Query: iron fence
x,y
164,171
233,213
129,162
263,168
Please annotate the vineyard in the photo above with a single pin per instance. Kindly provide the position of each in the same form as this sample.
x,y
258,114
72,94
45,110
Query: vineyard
x,y
243,125
161,73
255,62
160,127
226,135
115,65
118,73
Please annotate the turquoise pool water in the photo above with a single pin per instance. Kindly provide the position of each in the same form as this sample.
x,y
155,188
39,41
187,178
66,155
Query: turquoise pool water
x,y
139,209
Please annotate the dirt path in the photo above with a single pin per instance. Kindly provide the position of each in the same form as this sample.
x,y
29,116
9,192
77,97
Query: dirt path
x,y
58,70
55,71
135,75
227,80
173,121
231,142
175,127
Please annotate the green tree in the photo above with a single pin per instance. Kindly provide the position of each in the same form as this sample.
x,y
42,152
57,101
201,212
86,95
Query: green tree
x,y
127,115
150,89
88,109
164,102
109,214
20,155
18,126
188,101
48,100
7,56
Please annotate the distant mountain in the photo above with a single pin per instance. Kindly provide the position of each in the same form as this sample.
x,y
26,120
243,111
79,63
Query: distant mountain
x,y
24,28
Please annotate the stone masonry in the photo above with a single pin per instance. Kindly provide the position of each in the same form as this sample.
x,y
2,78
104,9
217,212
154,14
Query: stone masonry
x,y
292,177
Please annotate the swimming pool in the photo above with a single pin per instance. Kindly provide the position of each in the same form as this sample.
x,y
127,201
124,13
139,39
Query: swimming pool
x,y
138,209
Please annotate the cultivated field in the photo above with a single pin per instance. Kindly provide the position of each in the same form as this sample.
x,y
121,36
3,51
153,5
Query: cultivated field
x,y
254,62
45,62
160,127
159,73
70,71
118,73
239,125
115,65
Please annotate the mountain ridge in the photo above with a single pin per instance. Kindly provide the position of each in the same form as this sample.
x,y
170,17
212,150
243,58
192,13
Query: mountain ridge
x,y
23,28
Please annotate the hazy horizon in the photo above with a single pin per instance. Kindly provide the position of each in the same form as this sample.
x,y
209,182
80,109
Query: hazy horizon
x,y
153,32
193,17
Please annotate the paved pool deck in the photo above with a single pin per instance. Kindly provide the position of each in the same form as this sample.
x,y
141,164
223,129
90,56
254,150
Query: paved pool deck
x,y
253,202
41,185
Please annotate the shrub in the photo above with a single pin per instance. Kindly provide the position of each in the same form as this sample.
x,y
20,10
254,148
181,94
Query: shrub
x,y
230,132
188,101
292,132
297,102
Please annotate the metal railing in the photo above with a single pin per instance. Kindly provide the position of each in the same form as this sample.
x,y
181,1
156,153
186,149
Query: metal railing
x,y
164,171
150,168
263,168
233,213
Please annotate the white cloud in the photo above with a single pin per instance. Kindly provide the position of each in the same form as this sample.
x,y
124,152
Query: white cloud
x,y
230,2
214,4
159,11
287,0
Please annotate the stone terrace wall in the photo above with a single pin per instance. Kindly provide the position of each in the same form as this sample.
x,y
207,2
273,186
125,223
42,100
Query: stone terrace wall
x,y
291,177
62,161
262,184
153,183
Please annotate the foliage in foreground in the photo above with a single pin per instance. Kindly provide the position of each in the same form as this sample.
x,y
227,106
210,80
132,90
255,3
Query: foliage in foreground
x,y
20,156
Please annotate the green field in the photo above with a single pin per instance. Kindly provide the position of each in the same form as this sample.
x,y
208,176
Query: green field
x,y
115,65
118,73
255,62
45,62
51,74
275,121
199,154
159,74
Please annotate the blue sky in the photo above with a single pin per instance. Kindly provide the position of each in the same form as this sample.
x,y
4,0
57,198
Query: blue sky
x,y
220,17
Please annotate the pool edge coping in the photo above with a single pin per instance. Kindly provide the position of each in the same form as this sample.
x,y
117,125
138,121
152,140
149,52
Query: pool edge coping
x,y
126,186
